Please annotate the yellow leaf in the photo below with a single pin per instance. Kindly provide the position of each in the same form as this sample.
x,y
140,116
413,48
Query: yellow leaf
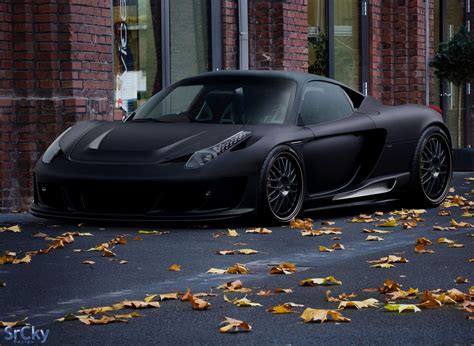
x,y
175,268
303,224
130,315
391,222
101,309
281,309
402,307
150,298
444,241
390,259
400,294
320,315
70,317
199,304
244,303
108,253
324,249
455,245
359,304
462,224
232,233
233,325
330,280
441,228
168,296
259,230
234,286
13,229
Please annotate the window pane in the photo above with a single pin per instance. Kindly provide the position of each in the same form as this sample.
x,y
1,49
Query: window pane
x,y
317,38
189,38
137,47
346,43
323,102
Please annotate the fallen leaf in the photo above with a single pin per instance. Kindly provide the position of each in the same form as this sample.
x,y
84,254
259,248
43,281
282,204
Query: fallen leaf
x,y
391,222
234,286
39,235
199,304
284,268
283,290
152,232
423,241
216,271
101,309
226,252
366,230
90,262
123,262
441,228
174,268
373,238
444,241
242,302
13,323
150,298
329,280
402,307
383,265
337,246
389,286
136,238
363,218
108,253
341,297
461,280
246,251
232,325
264,293
359,304
303,224
329,223
325,249
456,295
237,268
281,309
390,259
461,224
128,316
400,294
421,249
232,233
455,245
70,317
320,315
444,213
89,320
13,229
168,296
139,304
259,230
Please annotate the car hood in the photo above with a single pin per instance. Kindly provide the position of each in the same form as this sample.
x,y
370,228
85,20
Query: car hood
x,y
117,142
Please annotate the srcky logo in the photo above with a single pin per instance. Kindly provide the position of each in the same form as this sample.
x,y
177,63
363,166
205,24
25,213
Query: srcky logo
x,y
26,335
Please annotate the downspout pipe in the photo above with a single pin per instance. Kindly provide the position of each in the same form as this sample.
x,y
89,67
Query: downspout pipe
x,y
243,35
427,52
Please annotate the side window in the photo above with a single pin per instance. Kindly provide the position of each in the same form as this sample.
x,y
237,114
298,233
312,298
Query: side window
x,y
323,102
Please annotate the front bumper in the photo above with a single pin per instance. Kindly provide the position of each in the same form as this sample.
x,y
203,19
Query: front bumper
x,y
70,190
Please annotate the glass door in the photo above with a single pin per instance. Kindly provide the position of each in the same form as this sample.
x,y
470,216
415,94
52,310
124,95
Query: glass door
x,y
448,18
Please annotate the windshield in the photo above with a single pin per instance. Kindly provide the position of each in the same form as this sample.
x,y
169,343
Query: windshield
x,y
253,101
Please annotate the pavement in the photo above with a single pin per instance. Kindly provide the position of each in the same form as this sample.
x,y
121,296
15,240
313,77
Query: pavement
x,y
58,283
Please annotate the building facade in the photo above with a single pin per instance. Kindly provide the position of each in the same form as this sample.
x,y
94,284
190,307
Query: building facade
x,y
64,61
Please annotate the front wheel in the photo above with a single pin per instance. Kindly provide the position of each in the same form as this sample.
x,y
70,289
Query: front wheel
x,y
431,168
281,186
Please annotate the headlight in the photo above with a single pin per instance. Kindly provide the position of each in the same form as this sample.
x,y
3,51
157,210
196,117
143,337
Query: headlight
x,y
201,157
54,149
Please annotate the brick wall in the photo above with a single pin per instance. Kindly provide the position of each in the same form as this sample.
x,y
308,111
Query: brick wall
x,y
61,57
277,35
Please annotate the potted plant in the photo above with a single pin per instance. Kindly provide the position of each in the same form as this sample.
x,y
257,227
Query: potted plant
x,y
454,62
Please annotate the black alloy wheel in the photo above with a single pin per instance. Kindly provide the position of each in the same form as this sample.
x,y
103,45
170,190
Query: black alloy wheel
x,y
284,186
435,166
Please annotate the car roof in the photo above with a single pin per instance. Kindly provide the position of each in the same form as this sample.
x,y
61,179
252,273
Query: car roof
x,y
299,77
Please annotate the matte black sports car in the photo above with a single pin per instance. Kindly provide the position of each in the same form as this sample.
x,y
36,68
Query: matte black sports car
x,y
224,144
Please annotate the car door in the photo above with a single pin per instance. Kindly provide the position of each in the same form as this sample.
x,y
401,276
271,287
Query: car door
x,y
333,157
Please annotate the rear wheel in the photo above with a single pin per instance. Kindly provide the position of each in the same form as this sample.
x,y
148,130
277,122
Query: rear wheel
x,y
431,168
281,186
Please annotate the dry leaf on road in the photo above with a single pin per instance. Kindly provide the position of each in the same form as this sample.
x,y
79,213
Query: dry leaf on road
x,y
233,325
321,315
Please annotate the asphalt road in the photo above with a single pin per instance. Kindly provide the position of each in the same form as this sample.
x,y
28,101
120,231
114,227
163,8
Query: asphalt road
x,y
58,283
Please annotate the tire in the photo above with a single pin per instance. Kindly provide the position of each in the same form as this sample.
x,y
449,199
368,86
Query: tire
x,y
431,169
281,187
